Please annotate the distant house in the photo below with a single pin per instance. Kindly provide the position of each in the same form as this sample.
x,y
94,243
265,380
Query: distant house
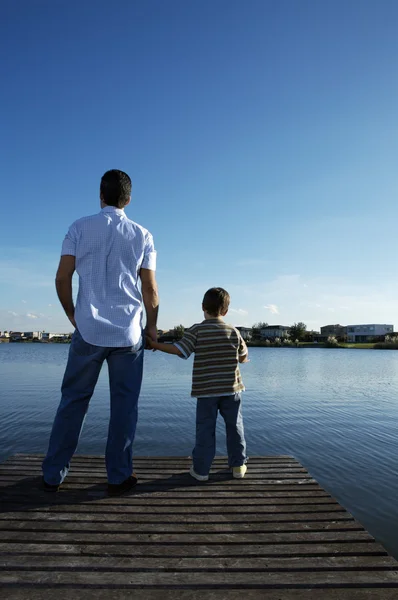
x,y
32,335
367,333
246,332
270,332
16,336
336,330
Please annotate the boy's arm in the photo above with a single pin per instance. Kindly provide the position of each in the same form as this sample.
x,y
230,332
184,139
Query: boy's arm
x,y
168,348
243,351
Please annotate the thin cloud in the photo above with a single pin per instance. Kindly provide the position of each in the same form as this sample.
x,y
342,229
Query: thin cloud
x,y
32,316
239,311
23,301
272,308
11,312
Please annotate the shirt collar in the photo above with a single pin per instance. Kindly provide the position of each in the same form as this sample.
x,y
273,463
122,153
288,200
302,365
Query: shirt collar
x,y
113,209
218,319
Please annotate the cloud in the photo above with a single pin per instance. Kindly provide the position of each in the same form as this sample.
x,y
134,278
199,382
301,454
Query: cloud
x,y
23,301
272,308
11,312
50,305
239,311
32,316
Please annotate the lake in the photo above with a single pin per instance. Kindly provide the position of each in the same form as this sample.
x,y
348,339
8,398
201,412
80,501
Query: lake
x,y
336,411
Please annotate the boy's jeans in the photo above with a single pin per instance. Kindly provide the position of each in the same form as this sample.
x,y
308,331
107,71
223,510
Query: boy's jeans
x,y
81,375
206,417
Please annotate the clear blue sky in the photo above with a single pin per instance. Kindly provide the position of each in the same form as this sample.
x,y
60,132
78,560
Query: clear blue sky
x,y
261,138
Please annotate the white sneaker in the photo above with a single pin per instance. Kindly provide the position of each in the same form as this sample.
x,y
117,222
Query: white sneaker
x,y
239,472
196,476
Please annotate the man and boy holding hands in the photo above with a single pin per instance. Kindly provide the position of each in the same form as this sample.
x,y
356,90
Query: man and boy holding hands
x,y
116,262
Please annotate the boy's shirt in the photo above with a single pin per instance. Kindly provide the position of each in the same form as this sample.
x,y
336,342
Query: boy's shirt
x,y
217,347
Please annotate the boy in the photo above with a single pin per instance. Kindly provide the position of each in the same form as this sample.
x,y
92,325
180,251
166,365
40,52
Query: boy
x,y
216,383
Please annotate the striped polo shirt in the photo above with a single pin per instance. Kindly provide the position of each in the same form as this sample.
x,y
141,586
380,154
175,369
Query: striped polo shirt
x,y
217,347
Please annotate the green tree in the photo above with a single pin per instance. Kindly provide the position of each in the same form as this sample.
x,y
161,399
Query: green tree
x,y
179,331
297,331
260,325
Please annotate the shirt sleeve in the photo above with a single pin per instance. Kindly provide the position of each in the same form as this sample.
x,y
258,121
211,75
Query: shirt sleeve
x,y
187,343
149,260
70,241
242,348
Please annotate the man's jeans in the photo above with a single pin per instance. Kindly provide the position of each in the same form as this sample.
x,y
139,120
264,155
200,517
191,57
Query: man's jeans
x,y
81,375
206,417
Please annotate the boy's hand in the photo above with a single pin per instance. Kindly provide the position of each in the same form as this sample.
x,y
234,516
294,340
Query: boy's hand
x,y
244,358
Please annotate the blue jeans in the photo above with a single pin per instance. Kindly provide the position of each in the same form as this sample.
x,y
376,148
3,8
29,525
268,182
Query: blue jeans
x,y
206,418
81,375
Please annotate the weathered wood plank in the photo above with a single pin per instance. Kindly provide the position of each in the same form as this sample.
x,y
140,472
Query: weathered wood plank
x,y
342,593
117,563
269,504
157,536
188,550
144,516
140,579
153,499
176,526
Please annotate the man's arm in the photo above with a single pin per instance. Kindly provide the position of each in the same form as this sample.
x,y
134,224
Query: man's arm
x,y
63,284
150,297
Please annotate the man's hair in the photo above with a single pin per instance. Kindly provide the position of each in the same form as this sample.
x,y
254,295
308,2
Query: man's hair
x,y
115,188
216,301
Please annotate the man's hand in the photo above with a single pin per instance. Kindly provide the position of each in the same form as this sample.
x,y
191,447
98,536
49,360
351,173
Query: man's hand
x,y
72,320
151,333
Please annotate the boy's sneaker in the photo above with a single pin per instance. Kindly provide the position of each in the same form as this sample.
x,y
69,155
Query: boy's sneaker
x,y
197,476
239,472
117,489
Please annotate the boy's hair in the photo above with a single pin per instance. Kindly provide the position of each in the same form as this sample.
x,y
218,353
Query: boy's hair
x,y
115,188
216,301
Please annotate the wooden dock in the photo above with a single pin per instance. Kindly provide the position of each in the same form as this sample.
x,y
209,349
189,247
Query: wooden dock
x,y
275,535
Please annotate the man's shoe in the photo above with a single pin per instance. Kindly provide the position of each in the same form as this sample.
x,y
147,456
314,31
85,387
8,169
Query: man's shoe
x,y
197,476
116,489
50,488
239,472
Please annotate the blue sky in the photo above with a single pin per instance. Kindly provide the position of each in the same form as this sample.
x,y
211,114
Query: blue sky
x,y
261,138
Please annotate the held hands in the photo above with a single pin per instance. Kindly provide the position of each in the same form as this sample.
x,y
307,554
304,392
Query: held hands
x,y
149,343
151,335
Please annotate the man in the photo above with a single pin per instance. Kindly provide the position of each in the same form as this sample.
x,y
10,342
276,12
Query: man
x,y
114,257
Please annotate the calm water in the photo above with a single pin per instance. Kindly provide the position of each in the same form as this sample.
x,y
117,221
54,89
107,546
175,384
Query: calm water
x,y
334,410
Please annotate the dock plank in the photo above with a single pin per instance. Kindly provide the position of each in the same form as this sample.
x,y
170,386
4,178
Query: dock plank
x,y
276,534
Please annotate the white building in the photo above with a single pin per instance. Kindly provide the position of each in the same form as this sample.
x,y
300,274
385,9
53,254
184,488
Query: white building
x,y
32,335
274,331
366,333
246,332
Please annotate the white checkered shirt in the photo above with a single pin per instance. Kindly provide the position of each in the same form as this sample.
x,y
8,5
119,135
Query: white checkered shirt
x,y
110,250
